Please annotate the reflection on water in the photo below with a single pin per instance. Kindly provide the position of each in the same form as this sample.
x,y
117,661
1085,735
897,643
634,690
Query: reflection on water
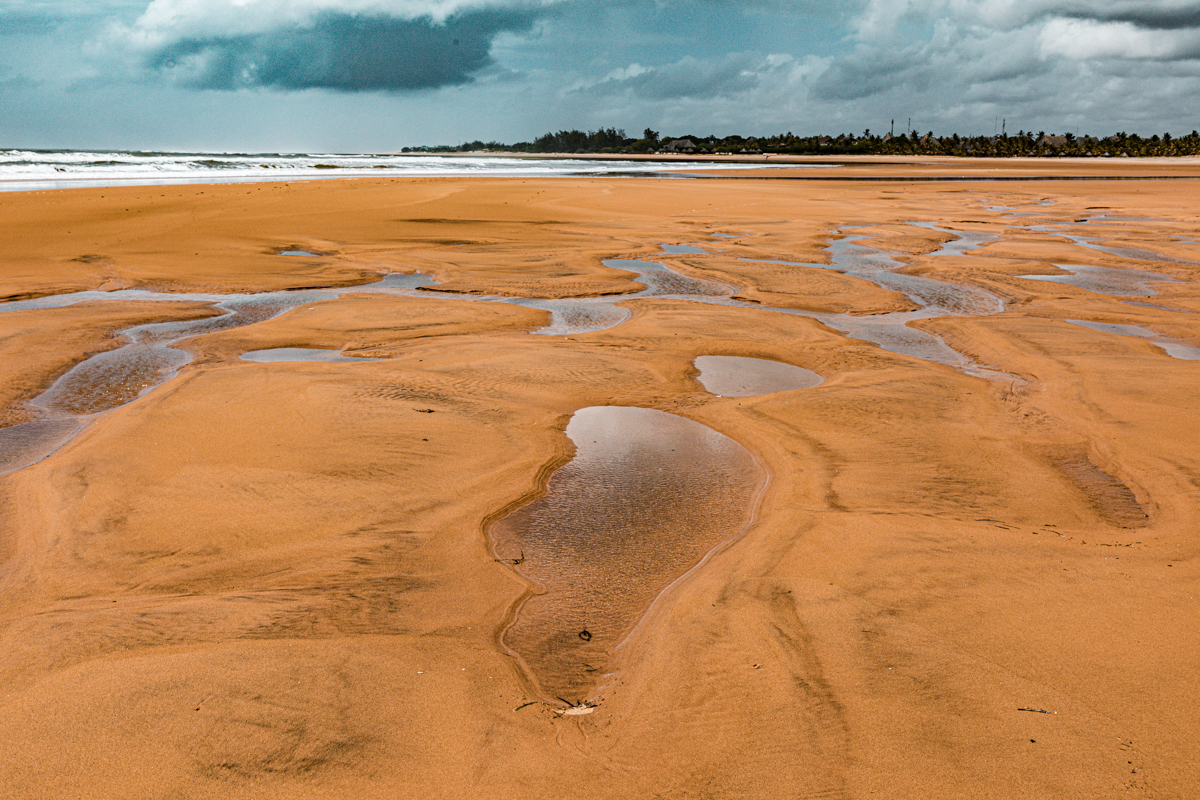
x,y
22,445
277,355
935,299
1112,327
111,379
114,378
1133,253
1181,351
661,281
738,376
933,296
1106,280
582,316
963,242
1092,242
1174,349
589,314
646,496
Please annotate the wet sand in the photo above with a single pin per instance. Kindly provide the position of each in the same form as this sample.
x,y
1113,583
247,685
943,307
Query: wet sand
x,y
275,579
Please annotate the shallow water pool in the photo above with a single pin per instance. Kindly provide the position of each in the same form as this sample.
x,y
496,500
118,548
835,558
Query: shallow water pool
x,y
646,497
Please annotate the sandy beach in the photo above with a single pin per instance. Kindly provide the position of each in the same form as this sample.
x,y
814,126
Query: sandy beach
x,y
969,568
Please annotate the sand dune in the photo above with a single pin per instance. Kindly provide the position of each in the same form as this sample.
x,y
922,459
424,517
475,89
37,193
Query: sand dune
x,y
276,580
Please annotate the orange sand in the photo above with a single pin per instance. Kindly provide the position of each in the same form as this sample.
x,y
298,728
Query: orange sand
x,y
273,580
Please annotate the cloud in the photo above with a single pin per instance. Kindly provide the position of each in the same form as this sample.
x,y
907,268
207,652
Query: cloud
x,y
339,45
733,75
1156,16
342,52
1091,39
688,77
165,20
1009,14
956,47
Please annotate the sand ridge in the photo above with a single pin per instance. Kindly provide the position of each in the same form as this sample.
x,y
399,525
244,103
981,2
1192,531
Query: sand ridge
x,y
275,580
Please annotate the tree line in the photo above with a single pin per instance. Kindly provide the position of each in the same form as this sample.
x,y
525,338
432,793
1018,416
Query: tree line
x,y
1023,143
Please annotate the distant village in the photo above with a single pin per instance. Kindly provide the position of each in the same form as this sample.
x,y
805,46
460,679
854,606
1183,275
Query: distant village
x,y
1023,143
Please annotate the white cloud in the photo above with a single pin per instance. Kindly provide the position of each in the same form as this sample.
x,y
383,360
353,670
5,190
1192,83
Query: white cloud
x,y
737,76
164,21
1085,39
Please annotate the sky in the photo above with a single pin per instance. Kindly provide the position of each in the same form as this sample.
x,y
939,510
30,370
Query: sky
x,y
377,75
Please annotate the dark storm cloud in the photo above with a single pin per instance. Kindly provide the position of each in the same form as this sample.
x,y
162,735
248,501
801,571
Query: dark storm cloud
x,y
345,52
1170,18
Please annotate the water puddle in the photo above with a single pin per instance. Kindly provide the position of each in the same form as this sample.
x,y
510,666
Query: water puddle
x,y
23,445
113,378
1174,349
681,249
567,317
647,496
889,331
116,377
935,298
278,355
1181,351
738,376
1106,280
1152,305
590,314
963,242
1132,253
663,282
303,253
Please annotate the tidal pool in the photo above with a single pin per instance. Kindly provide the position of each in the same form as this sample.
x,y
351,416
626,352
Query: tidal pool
x,y
1106,280
661,281
277,355
647,496
935,299
739,376
113,378
28,443
1174,349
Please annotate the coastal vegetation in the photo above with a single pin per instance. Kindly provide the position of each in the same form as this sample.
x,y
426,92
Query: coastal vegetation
x,y
1023,143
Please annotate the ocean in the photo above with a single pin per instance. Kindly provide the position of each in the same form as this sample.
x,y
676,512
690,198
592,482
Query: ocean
x,y
34,170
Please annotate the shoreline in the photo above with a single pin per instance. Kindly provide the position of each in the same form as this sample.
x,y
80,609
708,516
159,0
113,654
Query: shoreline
x,y
827,168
